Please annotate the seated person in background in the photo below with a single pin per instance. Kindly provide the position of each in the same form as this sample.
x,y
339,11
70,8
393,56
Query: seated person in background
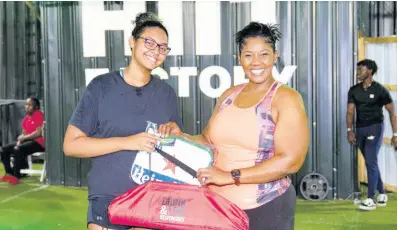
x,y
30,141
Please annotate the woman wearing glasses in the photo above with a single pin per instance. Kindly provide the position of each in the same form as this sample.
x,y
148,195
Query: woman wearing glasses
x,y
109,122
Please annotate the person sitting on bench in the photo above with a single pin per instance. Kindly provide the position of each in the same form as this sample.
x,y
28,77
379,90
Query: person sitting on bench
x,y
30,141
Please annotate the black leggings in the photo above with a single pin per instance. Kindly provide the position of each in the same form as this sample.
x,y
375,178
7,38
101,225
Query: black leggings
x,y
277,214
25,149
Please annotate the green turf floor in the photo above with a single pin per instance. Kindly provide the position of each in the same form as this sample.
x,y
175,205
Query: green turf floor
x,y
34,206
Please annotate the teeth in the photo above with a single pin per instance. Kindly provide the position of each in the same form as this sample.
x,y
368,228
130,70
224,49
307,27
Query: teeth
x,y
151,58
257,71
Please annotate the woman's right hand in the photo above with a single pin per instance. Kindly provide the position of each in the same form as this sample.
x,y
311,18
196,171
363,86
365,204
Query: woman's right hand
x,y
143,141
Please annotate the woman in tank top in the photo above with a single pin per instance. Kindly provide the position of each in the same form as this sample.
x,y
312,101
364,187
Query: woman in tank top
x,y
260,133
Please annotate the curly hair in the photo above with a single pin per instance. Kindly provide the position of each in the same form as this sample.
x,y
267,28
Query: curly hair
x,y
270,33
369,64
146,20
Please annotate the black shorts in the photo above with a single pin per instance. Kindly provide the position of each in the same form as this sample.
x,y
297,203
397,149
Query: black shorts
x,y
98,212
277,214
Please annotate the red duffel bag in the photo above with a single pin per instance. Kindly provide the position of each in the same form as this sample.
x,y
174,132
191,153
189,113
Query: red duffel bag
x,y
160,205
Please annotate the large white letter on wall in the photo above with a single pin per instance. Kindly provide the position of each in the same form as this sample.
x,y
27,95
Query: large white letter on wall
x,y
95,21
171,15
208,25
183,74
284,77
205,79
263,11
239,76
161,73
90,74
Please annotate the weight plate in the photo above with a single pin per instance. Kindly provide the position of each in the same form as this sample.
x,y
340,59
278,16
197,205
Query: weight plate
x,y
314,187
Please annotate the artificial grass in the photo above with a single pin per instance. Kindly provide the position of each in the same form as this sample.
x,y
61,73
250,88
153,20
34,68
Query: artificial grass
x,y
55,207
339,214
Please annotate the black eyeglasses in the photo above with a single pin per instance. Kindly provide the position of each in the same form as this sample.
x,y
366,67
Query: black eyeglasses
x,y
151,44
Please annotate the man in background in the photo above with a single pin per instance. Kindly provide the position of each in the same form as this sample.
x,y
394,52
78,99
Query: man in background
x,y
30,141
368,98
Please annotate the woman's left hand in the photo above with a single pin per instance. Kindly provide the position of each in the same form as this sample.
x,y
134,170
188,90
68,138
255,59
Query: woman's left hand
x,y
214,175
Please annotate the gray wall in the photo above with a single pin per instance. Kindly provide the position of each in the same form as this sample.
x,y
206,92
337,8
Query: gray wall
x,y
377,18
319,37
12,113
20,74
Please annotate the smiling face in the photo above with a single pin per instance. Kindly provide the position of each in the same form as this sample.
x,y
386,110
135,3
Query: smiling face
x,y
257,59
149,48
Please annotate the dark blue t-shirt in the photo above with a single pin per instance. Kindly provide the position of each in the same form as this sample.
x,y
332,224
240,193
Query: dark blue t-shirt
x,y
111,108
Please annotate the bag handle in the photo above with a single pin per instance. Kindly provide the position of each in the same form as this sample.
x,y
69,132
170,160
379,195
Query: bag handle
x,y
177,162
